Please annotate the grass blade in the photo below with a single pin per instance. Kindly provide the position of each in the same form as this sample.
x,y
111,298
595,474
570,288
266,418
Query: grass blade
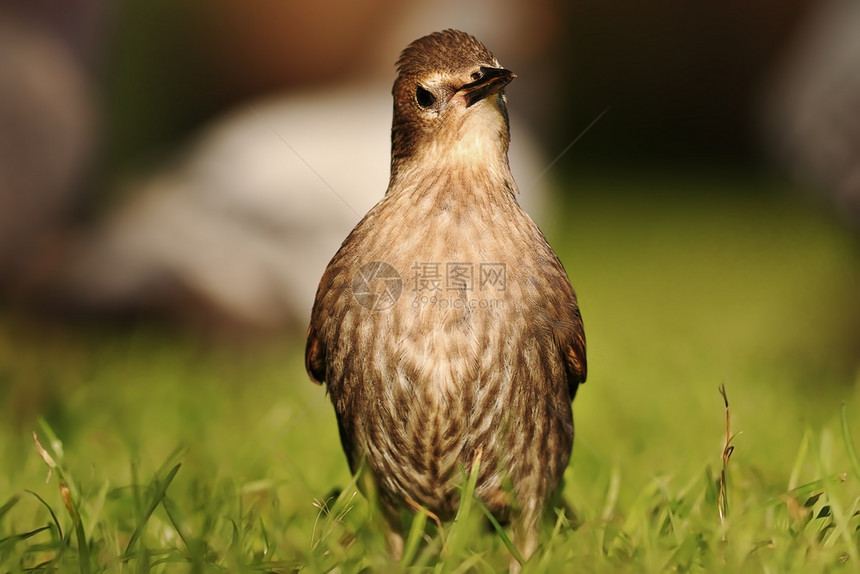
x,y
849,443
794,477
68,492
506,540
159,496
410,549
7,506
24,535
83,545
460,530
51,511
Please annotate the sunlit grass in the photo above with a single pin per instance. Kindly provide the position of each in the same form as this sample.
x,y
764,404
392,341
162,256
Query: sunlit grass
x,y
177,454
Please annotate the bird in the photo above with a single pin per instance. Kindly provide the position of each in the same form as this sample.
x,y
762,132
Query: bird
x,y
445,328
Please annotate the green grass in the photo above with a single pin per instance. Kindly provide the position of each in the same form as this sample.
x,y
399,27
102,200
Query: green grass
x,y
177,454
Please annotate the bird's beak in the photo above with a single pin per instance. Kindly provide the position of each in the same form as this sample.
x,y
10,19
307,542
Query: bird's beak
x,y
491,82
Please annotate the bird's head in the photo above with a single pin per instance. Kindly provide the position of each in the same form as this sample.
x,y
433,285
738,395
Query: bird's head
x,y
449,105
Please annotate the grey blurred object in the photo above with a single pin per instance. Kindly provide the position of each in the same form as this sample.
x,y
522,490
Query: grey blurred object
x,y
243,226
46,137
812,116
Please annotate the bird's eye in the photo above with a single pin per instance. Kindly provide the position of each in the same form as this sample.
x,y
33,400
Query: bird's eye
x,y
424,97
477,76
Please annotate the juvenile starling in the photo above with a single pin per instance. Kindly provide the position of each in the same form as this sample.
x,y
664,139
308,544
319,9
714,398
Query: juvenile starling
x,y
445,327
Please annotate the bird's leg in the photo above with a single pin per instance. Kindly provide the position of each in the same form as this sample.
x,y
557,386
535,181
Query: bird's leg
x,y
390,521
382,514
525,538
395,543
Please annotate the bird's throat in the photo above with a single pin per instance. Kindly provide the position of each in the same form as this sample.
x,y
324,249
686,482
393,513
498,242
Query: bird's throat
x,y
479,136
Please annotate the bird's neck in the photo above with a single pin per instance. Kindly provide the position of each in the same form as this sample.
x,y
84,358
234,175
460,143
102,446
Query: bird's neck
x,y
472,159
473,146
461,170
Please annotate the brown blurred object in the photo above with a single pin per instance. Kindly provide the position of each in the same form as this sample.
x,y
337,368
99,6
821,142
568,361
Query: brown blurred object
x,y
78,24
47,132
260,46
812,117
269,44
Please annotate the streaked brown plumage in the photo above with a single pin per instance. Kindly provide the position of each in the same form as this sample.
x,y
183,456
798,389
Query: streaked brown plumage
x,y
490,366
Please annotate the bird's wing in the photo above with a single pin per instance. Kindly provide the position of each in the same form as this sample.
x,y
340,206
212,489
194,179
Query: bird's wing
x,y
315,353
315,349
573,351
333,285
570,341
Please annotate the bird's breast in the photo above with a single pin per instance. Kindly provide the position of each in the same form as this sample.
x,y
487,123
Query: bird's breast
x,y
437,346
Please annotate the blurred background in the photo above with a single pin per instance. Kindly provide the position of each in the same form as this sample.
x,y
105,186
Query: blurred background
x,y
203,160
195,164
